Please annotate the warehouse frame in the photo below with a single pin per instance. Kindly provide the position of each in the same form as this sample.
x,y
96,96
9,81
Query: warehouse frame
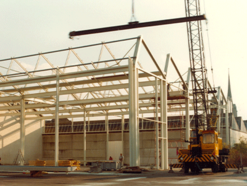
x,y
120,87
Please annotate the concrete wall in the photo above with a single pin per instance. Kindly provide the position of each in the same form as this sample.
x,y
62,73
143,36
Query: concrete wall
x,y
71,146
10,139
235,135
173,147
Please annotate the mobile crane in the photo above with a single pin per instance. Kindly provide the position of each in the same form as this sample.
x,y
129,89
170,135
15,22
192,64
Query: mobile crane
x,y
205,149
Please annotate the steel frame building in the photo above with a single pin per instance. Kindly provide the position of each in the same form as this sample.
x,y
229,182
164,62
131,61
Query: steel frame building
x,y
109,87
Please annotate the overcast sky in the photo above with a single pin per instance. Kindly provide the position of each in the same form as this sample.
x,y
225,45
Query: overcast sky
x,y
33,26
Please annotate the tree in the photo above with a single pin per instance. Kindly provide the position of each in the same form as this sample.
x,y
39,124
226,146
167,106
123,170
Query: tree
x,y
241,147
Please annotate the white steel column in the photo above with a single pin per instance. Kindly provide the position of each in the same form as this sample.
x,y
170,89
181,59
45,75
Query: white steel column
x,y
162,124
85,138
72,125
218,111
157,124
187,118
88,122
107,135
164,131
142,121
22,129
187,109
133,115
122,134
227,125
57,121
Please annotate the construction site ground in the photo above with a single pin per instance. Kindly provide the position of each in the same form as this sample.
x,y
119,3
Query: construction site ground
x,y
148,177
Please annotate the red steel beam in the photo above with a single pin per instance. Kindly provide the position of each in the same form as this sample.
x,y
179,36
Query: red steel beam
x,y
132,25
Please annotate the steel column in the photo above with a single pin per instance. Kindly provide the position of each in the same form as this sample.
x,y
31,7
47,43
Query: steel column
x,y
187,108
165,128
122,134
218,111
57,120
157,124
164,132
22,129
72,125
107,135
187,118
227,125
88,122
85,138
133,115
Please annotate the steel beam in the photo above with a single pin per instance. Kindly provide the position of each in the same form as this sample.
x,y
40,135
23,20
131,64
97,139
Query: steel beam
x,y
141,105
91,72
12,168
66,49
73,91
138,25
153,59
149,111
167,63
180,76
92,102
83,82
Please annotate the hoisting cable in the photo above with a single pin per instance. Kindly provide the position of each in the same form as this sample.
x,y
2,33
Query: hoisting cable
x,y
210,56
133,19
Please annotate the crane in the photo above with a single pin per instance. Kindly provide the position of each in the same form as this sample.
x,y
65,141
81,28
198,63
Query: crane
x,y
205,149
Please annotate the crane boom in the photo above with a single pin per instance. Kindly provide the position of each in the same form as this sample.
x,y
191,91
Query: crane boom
x,y
205,149
198,67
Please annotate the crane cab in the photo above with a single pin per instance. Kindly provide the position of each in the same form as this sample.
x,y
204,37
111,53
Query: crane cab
x,y
210,142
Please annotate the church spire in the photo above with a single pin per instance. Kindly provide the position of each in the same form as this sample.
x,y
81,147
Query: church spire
x,y
229,93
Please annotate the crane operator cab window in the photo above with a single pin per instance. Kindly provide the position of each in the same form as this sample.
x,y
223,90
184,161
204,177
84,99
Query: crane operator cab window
x,y
208,138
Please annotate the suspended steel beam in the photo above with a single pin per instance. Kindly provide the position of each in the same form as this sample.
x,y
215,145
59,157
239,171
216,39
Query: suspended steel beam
x,y
136,25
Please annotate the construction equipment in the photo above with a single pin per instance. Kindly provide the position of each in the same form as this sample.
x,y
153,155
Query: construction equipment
x,y
205,149
208,153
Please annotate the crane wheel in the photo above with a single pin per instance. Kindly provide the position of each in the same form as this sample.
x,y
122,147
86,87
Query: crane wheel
x,y
223,168
186,169
215,168
193,170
